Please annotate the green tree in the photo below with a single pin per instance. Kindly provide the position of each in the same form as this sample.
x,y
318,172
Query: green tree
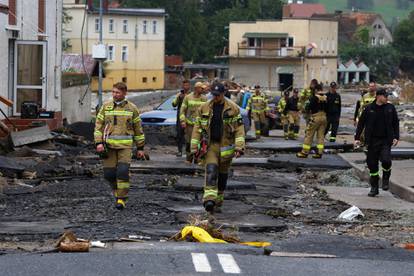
x,y
404,41
362,34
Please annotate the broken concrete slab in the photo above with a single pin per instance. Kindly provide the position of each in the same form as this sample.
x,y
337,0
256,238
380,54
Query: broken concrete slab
x,y
250,223
30,136
401,182
328,161
153,167
9,167
402,153
84,129
250,161
358,197
33,227
196,184
280,145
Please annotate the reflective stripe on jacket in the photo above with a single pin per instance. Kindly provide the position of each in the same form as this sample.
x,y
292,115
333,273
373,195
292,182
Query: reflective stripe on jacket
x,y
188,111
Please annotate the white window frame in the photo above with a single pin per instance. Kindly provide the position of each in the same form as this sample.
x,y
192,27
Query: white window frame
x,y
373,41
109,52
154,26
111,25
144,26
381,41
97,25
125,26
43,86
124,53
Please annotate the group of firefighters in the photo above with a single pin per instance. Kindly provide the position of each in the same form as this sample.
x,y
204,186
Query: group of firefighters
x,y
213,131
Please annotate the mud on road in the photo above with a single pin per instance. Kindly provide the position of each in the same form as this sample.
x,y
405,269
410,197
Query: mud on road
x,y
264,204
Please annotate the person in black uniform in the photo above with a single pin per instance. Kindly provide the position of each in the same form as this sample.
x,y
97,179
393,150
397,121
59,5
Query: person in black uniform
x,y
380,124
177,102
333,112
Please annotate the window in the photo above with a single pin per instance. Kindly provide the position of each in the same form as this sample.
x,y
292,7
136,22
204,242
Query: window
x,y
154,79
111,52
374,41
322,45
97,25
124,79
125,26
111,25
381,41
144,27
154,27
291,42
333,45
144,79
124,53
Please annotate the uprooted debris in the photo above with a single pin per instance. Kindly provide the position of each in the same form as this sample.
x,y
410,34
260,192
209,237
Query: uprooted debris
x,y
205,231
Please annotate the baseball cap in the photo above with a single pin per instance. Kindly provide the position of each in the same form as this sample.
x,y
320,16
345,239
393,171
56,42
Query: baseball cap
x,y
217,89
333,84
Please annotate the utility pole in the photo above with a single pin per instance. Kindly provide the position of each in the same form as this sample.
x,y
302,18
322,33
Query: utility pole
x,y
100,61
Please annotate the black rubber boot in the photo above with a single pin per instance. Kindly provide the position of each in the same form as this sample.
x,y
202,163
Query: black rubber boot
x,y
373,181
209,206
386,180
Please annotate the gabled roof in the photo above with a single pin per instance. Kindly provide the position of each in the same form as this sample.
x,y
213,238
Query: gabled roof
x,y
350,22
351,66
303,10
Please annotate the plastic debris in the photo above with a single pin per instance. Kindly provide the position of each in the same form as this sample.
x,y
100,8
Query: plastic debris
x,y
350,214
98,244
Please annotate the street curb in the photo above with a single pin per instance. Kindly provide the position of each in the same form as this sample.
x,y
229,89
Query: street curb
x,y
396,188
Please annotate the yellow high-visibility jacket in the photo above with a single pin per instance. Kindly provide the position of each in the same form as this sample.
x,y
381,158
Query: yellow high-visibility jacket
x,y
188,111
122,124
233,128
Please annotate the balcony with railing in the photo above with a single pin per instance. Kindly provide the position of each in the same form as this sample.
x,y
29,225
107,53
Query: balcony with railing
x,y
266,52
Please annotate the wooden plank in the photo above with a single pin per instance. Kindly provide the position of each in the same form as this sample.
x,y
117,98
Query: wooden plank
x,y
6,101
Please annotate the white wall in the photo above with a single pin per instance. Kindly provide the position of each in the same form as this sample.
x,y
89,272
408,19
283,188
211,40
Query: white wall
x,y
72,110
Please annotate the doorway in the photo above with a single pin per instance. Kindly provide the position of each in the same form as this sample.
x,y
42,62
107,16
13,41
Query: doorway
x,y
285,82
29,74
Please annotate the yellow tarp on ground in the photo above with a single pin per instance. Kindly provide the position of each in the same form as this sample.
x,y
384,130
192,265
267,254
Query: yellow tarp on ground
x,y
202,235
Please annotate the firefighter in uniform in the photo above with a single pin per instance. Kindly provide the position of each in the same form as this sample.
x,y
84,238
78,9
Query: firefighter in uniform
x,y
118,127
293,115
333,113
188,115
379,121
304,97
367,98
282,109
258,108
220,126
177,102
317,124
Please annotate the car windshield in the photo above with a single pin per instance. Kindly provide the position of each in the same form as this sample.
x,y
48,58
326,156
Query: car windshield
x,y
167,105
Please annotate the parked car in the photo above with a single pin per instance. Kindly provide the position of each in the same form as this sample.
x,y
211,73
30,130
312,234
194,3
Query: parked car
x,y
166,115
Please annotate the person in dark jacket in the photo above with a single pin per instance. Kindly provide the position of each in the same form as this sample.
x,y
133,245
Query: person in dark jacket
x,y
177,102
380,124
333,112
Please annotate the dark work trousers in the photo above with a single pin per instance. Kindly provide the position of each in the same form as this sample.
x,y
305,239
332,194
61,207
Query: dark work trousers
x,y
333,124
378,150
180,137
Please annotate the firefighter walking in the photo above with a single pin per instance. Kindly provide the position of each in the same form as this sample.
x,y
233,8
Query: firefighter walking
x,y
317,124
117,128
282,109
177,102
220,125
258,108
188,115
304,97
333,112
380,124
293,115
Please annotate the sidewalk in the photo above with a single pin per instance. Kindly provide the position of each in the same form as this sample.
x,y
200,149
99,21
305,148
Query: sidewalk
x,y
402,176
